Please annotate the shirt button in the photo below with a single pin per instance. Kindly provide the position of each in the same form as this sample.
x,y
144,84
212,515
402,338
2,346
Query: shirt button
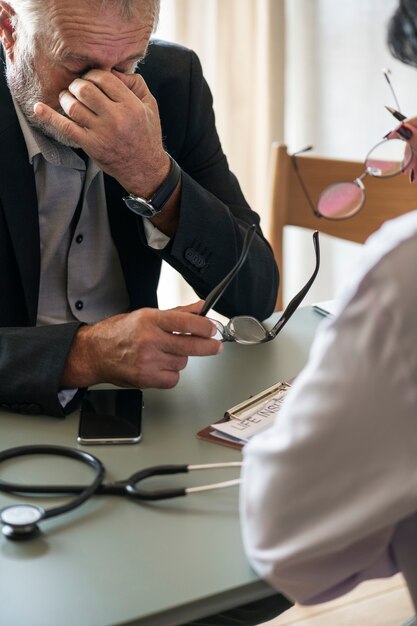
x,y
79,238
79,305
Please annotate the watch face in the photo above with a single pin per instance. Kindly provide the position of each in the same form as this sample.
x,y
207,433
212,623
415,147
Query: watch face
x,y
140,207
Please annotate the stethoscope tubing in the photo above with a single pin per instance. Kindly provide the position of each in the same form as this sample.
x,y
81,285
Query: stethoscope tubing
x,y
20,521
84,491
118,488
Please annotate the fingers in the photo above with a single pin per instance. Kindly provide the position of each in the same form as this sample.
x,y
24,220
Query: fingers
x,y
88,97
406,131
412,121
189,345
145,348
175,363
65,126
116,85
195,307
135,83
168,374
186,323
99,81
86,93
187,334
106,117
77,111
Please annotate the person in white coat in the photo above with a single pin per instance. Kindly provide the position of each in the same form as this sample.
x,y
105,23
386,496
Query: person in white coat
x,y
329,492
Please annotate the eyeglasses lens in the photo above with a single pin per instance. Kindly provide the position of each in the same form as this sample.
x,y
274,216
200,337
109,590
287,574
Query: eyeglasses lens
x,y
341,200
388,158
246,330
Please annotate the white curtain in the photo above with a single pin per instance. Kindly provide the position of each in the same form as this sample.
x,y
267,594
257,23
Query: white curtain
x,y
299,71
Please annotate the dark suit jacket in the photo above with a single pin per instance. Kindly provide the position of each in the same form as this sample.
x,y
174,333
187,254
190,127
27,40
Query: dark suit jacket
x,y
213,218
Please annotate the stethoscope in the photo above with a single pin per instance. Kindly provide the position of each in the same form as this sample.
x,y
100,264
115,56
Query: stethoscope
x,y
20,521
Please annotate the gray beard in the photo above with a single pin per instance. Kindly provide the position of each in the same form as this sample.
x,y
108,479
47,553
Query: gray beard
x,y
26,89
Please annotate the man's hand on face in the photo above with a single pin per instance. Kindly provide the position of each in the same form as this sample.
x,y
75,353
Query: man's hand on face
x,y
145,348
114,118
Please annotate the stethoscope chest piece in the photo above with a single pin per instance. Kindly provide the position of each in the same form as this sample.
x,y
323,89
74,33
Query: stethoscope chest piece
x,y
20,521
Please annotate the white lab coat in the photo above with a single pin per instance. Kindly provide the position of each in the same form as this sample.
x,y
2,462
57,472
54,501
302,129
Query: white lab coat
x,y
329,492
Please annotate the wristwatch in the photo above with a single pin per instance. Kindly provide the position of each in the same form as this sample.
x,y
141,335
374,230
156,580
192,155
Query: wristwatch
x,y
153,206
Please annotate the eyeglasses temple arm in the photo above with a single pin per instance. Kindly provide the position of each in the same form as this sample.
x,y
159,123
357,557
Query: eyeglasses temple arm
x,y
299,297
216,293
301,180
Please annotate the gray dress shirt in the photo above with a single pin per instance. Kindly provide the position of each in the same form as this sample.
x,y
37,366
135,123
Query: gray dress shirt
x,y
81,276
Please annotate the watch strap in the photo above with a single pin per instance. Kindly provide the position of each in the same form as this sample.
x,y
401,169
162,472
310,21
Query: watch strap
x,y
151,207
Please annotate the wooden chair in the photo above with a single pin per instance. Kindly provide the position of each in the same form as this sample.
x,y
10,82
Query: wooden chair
x,y
385,199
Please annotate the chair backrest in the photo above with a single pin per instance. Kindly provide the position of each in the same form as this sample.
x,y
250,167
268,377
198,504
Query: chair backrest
x,y
385,199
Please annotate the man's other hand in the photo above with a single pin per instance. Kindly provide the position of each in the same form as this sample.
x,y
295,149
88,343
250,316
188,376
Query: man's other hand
x,y
145,348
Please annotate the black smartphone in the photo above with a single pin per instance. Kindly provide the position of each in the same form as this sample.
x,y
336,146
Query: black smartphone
x,y
111,416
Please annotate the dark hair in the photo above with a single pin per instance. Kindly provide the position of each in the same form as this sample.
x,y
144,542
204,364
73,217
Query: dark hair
x,y
402,32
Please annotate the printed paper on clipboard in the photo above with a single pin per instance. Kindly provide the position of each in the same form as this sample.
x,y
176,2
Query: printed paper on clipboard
x,y
248,418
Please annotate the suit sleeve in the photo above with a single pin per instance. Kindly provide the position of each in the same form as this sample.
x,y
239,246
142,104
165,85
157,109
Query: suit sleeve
x,y
214,215
32,360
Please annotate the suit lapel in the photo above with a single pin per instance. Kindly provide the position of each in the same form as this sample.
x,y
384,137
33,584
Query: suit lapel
x,y
18,199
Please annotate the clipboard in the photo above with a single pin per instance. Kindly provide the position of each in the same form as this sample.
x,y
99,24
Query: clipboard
x,y
244,420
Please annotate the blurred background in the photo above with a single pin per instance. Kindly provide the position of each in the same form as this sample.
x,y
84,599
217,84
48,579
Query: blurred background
x,y
294,71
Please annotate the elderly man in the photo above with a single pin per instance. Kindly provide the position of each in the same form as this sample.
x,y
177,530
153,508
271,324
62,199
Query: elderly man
x,y
110,164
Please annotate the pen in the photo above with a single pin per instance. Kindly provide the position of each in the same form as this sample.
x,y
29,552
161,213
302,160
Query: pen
x,y
398,116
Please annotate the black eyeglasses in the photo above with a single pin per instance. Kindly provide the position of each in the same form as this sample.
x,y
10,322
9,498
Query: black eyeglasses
x,y
246,329
343,200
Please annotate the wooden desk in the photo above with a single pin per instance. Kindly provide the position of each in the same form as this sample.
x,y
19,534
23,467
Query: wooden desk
x,y
114,561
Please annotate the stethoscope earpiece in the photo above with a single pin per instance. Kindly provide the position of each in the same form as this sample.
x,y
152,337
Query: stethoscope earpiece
x,y
20,521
